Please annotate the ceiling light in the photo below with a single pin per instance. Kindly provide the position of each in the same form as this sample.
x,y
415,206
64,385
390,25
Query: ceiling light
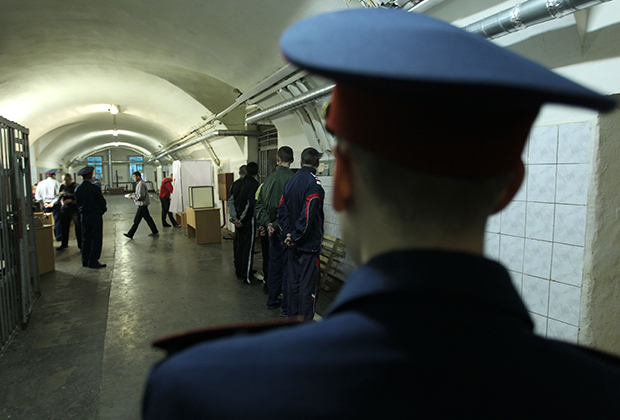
x,y
114,109
115,132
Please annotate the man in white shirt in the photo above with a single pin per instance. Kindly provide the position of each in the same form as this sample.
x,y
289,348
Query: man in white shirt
x,y
47,194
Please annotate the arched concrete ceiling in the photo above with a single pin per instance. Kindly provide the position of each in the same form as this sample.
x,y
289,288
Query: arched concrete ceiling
x,y
167,64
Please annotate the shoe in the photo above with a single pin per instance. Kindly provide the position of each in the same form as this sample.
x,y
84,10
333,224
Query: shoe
x,y
98,265
276,306
84,265
252,280
127,235
167,225
259,276
62,248
176,226
283,315
154,234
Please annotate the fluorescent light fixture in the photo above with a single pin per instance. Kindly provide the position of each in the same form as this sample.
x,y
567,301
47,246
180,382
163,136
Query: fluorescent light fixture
x,y
114,109
115,132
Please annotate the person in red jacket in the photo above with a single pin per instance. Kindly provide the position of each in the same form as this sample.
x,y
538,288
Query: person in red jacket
x,y
164,196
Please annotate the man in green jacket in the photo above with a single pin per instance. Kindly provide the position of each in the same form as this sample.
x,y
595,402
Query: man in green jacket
x,y
266,215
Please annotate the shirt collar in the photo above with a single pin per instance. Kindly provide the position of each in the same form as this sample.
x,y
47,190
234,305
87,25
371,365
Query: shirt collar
x,y
468,275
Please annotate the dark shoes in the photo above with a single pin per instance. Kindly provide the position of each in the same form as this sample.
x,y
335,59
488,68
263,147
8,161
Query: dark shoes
x,y
127,235
276,306
167,225
177,226
98,265
62,247
154,234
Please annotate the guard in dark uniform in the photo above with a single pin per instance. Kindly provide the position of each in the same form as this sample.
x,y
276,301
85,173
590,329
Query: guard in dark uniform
x,y
92,206
426,327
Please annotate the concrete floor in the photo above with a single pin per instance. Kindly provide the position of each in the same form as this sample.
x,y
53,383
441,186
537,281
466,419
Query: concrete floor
x,y
86,351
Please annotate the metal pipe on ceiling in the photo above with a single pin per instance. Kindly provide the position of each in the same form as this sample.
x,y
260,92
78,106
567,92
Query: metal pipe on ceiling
x,y
206,137
527,14
510,20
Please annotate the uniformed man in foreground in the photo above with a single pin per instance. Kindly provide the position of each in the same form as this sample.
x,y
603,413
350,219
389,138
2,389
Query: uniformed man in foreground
x,y
431,122
92,206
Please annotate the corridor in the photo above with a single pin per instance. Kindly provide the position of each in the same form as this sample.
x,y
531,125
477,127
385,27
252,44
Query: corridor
x,y
86,351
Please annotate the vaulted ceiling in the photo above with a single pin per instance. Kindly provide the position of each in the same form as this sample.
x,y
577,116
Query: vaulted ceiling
x,y
171,64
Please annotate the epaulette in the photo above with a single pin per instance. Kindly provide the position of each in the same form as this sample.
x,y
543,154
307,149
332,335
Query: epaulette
x,y
180,341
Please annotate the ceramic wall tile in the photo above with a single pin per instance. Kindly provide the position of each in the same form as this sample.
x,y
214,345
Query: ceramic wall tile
x,y
539,224
564,301
513,219
536,294
517,280
543,145
328,197
511,252
521,194
572,184
567,265
491,246
561,331
540,324
494,222
570,224
574,143
327,181
537,258
541,183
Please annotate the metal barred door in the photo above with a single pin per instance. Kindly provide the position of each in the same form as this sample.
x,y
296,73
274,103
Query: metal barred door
x,y
19,279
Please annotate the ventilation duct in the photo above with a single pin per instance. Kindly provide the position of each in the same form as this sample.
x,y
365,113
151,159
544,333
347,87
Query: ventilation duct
x,y
511,20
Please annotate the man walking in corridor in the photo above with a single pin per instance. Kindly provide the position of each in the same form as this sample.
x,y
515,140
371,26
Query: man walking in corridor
x,y
141,198
164,196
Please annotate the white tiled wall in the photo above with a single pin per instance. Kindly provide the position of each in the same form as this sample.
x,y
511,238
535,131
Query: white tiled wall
x,y
540,236
332,223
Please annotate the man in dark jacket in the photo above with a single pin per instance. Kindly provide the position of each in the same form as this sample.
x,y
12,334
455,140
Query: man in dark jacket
x,y
431,123
69,212
92,206
266,217
242,203
300,215
164,196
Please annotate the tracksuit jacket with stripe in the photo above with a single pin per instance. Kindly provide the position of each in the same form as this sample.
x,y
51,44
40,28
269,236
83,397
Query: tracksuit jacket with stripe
x,y
300,212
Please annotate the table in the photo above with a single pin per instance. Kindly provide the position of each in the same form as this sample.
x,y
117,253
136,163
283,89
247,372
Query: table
x,y
204,224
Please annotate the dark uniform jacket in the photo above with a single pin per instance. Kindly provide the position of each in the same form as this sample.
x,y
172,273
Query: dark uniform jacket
x,y
243,193
412,335
89,199
300,212
270,195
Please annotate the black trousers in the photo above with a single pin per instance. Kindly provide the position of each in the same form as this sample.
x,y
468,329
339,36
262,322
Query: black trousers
x,y
165,211
142,213
244,250
92,239
68,214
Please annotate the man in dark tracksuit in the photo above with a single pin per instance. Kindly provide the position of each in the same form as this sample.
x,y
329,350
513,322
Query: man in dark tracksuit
x,y
266,217
69,212
300,215
242,203
92,206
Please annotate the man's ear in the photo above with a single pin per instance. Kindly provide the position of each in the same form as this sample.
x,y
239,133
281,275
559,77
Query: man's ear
x,y
511,189
343,180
